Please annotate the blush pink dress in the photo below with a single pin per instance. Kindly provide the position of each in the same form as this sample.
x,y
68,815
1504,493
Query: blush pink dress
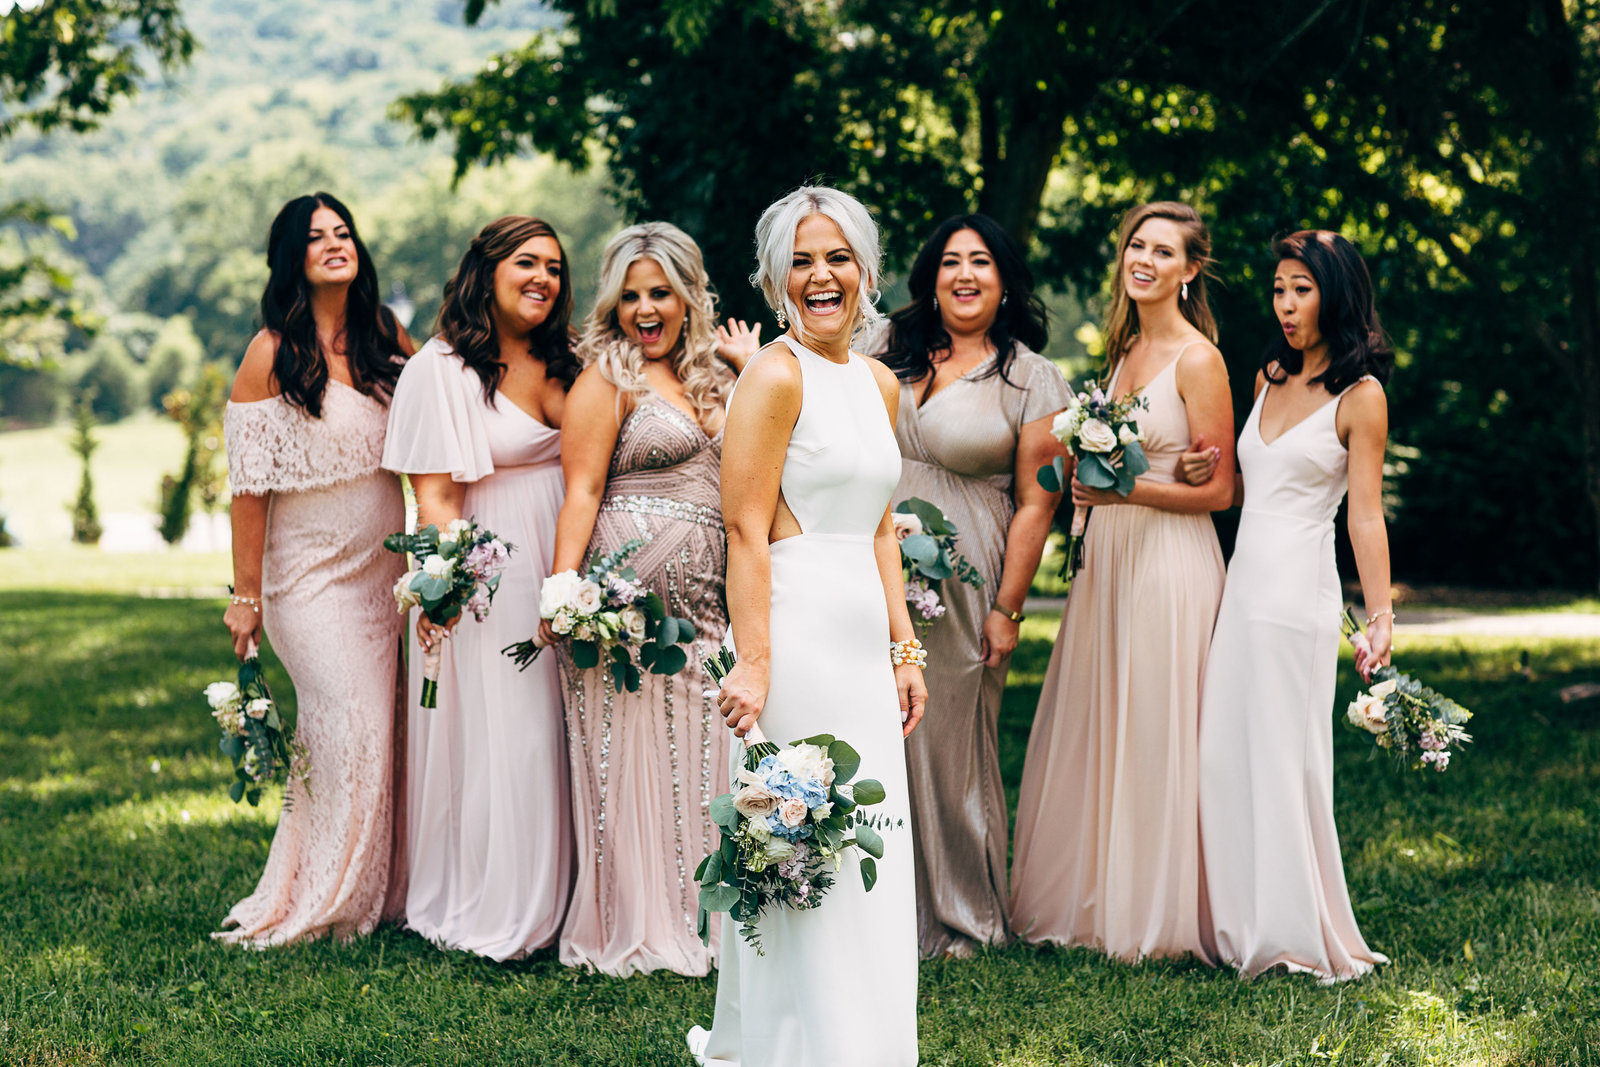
x,y
1108,828
490,829
327,608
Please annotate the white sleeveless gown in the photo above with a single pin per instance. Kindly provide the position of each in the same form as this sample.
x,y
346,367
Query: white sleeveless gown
x,y
1270,846
837,984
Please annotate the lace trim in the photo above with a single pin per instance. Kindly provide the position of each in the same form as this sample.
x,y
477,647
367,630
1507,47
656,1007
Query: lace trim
x,y
276,447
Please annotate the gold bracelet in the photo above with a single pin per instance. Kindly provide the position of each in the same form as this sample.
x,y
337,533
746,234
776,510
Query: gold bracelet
x,y
1375,616
254,603
1014,616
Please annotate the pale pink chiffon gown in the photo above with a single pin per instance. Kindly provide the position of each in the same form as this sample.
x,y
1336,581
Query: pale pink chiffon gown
x,y
327,609
1272,860
490,812
1108,832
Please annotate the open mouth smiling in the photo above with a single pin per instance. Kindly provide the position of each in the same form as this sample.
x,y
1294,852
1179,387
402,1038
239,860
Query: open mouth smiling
x,y
825,302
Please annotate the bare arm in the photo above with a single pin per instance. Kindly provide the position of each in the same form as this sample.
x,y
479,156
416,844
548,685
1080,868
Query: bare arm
x,y
886,548
1202,380
247,514
1364,423
754,441
1025,537
1197,465
585,461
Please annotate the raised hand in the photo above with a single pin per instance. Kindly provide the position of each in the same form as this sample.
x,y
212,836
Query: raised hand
x,y
737,343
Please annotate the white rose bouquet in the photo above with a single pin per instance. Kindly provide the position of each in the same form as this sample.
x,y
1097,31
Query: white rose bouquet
x,y
927,557
1414,723
609,616
786,827
1104,438
458,570
254,736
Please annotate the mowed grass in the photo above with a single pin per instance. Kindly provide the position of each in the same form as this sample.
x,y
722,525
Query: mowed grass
x,y
119,854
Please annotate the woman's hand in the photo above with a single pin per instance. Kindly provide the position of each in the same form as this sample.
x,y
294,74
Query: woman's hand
x,y
244,623
737,343
913,696
999,638
547,633
1199,464
743,696
430,634
1084,497
1380,642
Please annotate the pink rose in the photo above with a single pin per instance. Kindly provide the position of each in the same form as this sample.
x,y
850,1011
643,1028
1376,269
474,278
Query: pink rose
x,y
793,811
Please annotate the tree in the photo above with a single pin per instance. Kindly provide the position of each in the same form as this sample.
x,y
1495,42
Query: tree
x,y
64,64
199,412
86,527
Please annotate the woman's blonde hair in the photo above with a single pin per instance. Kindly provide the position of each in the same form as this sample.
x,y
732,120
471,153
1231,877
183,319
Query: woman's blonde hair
x,y
706,379
775,247
1122,325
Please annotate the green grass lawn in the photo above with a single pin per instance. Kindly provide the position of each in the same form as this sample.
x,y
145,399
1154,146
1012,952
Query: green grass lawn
x,y
119,853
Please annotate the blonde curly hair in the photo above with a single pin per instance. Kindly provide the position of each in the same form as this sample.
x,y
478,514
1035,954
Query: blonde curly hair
x,y
706,379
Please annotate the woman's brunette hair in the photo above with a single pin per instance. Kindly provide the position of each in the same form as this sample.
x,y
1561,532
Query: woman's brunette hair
x,y
706,379
466,318
1122,325
1347,318
371,335
916,331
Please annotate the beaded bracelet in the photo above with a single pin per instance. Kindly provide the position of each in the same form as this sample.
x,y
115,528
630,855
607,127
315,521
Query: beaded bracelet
x,y
253,602
1375,616
909,652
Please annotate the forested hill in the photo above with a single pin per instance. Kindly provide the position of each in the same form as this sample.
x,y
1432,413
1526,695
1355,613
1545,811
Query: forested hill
x,y
172,197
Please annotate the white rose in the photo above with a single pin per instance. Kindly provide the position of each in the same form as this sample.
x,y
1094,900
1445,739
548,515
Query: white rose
x,y
438,567
822,811
1128,435
404,595
222,695
792,811
778,850
758,830
1383,689
633,621
1096,436
754,801
584,631
562,623
586,597
1367,712
905,525
556,593
258,708
1062,426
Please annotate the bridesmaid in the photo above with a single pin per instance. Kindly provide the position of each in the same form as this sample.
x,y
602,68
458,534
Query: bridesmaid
x,y
304,432
474,425
1108,842
1320,423
646,765
976,402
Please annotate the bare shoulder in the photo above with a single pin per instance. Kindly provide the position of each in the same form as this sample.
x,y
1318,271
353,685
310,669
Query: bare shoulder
x,y
775,371
1365,400
407,345
885,377
1261,382
253,380
1201,363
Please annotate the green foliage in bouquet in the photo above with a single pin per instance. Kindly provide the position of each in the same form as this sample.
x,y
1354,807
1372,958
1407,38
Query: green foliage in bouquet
x,y
932,552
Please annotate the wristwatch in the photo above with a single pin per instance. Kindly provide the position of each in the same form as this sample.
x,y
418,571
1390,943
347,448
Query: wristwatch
x,y
1014,616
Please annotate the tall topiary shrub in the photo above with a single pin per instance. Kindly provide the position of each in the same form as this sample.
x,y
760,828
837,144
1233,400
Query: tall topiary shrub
x,y
199,412
86,528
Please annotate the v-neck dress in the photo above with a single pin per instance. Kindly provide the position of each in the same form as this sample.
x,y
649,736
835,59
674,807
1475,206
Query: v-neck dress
x,y
1108,828
959,452
490,814
646,765
1272,863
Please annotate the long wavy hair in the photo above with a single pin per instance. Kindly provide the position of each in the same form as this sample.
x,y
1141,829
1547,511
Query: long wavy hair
x,y
371,334
466,318
1122,325
706,379
1347,318
917,332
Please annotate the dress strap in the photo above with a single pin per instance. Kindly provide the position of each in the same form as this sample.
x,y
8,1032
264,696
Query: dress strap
x,y
1358,381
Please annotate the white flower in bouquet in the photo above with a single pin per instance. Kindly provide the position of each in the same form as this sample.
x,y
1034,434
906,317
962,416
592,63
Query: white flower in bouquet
x,y
584,631
633,623
562,623
222,695
1096,436
758,829
405,597
258,708
1367,711
556,593
231,720
793,812
755,801
1383,689
905,525
1128,435
1065,425
586,597
458,527
822,811
778,850
437,566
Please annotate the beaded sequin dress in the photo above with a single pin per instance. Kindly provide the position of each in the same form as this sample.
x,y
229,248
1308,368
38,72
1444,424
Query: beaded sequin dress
x,y
646,765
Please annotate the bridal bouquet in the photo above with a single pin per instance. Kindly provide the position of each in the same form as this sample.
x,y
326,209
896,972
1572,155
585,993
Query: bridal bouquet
x,y
1416,724
786,829
458,570
610,617
1104,438
927,557
254,737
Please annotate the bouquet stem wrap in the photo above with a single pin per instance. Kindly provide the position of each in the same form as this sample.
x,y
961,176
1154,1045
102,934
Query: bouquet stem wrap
x,y
431,661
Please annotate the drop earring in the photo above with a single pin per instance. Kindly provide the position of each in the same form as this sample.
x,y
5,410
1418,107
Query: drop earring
x,y
783,323
1183,293
1003,296
936,303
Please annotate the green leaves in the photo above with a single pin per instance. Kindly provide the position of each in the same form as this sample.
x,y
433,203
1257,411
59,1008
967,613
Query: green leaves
x,y
846,761
869,872
585,655
1053,478
724,814
870,840
870,791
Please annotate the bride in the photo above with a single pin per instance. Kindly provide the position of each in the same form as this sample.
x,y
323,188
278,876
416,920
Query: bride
x,y
815,598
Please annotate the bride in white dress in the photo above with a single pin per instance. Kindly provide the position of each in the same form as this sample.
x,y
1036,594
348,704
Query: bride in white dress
x,y
814,598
